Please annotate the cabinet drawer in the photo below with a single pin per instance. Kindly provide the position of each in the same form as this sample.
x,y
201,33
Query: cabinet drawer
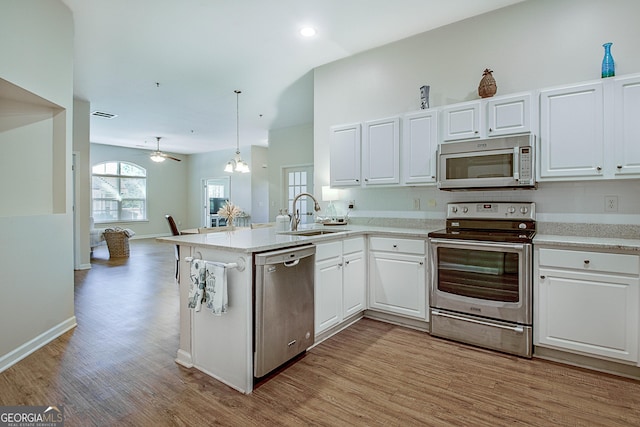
x,y
355,244
390,244
328,250
590,261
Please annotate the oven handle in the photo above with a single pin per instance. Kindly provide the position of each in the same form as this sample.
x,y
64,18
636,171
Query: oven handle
x,y
466,243
516,329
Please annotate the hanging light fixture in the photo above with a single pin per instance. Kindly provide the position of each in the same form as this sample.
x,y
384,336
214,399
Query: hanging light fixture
x,y
237,164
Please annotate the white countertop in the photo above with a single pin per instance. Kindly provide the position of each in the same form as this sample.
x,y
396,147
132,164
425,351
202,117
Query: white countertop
x,y
584,242
263,239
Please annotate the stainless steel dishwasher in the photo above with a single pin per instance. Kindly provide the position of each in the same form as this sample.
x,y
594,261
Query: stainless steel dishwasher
x,y
284,306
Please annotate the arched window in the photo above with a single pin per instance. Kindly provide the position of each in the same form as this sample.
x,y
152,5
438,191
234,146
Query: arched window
x,y
118,192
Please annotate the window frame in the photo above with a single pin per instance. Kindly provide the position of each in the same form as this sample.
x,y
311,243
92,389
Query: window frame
x,y
120,178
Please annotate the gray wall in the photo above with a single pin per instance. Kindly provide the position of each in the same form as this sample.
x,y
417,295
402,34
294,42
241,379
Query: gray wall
x,y
82,183
530,45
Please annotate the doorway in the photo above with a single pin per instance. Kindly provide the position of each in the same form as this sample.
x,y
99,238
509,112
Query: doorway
x,y
215,192
296,180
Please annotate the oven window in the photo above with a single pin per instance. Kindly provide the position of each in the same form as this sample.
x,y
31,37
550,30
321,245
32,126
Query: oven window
x,y
486,166
487,275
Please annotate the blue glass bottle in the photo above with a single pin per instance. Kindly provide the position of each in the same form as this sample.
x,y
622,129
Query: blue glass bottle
x,y
608,66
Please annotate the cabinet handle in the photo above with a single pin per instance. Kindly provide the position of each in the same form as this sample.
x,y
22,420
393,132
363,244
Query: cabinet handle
x,y
339,264
421,263
395,246
357,180
598,168
586,262
366,180
476,132
543,277
619,166
490,130
347,262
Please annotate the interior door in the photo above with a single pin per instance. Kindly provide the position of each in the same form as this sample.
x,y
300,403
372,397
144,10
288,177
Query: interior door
x,y
299,179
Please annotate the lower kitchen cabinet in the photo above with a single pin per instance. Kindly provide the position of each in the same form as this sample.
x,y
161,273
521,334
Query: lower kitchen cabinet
x,y
397,276
587,302
340,281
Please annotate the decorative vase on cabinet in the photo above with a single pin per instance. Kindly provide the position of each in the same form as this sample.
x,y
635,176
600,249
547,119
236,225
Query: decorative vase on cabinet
x,y
608,65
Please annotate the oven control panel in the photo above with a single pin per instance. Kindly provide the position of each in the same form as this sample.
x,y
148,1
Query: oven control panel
x,y
492,210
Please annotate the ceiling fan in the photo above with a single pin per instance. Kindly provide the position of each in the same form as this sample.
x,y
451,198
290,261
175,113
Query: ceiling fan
x,y
159,156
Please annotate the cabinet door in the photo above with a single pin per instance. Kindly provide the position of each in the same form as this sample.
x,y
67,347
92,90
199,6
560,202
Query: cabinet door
x,y
509,115
588,313
461,121
328,294
345,155
353,284
419,143
626,126
571,131
397,284
381,152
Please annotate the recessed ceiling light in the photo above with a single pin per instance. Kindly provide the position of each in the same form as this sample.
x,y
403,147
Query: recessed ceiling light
x,y
308,31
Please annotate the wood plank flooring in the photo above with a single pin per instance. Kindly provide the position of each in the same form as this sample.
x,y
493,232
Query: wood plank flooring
x,y
117,368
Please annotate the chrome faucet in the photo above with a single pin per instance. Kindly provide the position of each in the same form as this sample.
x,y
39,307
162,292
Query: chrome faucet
x,y
295,218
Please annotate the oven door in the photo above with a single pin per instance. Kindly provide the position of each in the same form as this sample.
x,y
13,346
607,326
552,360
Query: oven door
x,y
486,279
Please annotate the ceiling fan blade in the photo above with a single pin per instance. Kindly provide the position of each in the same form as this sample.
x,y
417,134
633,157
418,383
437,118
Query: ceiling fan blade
x,y
169,157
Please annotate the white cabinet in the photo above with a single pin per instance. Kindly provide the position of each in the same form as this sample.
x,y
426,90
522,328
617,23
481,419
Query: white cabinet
x,y
626,112
587,302
397,276
572,131
461,121
381,151
491,117
419,144
345,155
508,115
340,281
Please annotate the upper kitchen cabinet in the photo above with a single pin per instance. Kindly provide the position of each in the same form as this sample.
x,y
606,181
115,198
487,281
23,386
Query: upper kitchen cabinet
x,y
508,115
461,121
344,168
381,151
590,130
500,116
419,144
572,131
626,110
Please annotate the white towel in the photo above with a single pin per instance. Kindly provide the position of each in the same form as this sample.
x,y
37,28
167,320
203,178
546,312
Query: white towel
x,y
215,295
196,288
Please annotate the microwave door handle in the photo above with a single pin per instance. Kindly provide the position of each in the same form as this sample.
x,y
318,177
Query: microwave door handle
x,y
516,163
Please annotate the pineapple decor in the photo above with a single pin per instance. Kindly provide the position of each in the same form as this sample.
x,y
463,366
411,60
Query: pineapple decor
x,y
487,87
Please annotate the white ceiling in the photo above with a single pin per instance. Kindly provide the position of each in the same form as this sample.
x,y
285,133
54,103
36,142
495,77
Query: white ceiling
x,y
169,68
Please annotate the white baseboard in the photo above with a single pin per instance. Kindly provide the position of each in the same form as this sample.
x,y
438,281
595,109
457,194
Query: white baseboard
x,y
40,341
83,267
183,358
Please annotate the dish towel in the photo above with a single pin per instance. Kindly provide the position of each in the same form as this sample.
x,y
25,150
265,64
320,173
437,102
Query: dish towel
x,y
215,293
196,288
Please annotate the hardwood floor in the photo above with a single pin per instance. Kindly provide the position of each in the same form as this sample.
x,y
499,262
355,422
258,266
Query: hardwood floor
x,y
117,368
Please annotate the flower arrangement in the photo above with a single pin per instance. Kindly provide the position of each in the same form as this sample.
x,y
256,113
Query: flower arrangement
x,y
230,212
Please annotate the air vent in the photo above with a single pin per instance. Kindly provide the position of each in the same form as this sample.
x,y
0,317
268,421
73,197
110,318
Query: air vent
x,y
104,115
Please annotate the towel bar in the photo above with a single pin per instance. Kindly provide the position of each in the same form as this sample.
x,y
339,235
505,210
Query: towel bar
x,y
239,264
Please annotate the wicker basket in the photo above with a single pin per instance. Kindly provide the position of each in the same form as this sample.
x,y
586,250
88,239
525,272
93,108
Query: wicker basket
x,y
118,243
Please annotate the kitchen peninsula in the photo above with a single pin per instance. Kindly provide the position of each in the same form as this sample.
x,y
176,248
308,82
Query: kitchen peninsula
x,y
222,346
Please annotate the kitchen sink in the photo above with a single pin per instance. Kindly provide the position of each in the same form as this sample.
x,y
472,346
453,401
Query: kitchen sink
x,y
311,232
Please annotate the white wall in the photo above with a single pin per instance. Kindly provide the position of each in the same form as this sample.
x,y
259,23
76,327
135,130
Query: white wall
x,y
259,184
211,165
166,187
291,146
36,250
82,192
530,45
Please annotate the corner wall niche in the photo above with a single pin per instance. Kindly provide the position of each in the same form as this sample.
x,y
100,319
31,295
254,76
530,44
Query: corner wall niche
x,y
32,153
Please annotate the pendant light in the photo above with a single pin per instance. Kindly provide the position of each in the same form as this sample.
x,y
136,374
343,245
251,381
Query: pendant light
x,y
237,164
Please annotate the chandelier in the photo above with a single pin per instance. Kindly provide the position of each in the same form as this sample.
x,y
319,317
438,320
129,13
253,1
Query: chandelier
x,y
237,164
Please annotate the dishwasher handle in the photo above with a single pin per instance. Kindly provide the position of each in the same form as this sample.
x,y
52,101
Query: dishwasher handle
x,y
292,263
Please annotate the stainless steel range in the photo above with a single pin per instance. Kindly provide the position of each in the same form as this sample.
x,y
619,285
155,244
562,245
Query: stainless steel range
x,y
481,276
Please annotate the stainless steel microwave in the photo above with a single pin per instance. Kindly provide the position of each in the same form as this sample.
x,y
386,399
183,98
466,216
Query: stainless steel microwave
x,y
495,163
